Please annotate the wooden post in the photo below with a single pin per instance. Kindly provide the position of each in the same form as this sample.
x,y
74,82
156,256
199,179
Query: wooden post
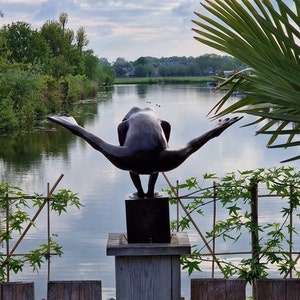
x,y
17,291
74,290
221,289
278,289
148,271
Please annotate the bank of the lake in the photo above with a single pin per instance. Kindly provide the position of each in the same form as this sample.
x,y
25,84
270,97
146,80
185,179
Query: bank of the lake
x,y
164,80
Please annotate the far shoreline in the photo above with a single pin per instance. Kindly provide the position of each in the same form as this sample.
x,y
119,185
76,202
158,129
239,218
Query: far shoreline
x,y
163,80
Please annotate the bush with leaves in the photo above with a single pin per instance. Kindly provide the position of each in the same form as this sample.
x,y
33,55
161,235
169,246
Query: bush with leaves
x,y
233,193
20,101
15,220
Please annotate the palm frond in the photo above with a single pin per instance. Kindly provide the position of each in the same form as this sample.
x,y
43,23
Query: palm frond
x,y
264,36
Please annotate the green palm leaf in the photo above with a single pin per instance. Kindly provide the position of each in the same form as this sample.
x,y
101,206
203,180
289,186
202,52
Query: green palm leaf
x,y
264,36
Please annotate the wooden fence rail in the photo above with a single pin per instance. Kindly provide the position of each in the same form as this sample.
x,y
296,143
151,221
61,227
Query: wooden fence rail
x,y
201,289
278,289
218,289
57,290
17,291
235,289
74,290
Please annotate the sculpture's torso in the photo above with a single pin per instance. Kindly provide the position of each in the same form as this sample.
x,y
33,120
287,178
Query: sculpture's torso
x,y
141,130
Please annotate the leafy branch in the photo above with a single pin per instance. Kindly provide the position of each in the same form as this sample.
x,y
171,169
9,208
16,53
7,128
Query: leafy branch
x,y
14,218
233,192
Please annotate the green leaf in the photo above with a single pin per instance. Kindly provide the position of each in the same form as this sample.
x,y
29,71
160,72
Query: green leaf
x,y
265,37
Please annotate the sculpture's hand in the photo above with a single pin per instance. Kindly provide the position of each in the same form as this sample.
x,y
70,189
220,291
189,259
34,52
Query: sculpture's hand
x,y
198,142
225,123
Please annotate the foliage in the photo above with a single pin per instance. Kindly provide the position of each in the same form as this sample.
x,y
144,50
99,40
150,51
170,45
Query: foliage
x,y
20,101
22,44
15,217
264,36
205,65
79,87
37,66
233,192
52,94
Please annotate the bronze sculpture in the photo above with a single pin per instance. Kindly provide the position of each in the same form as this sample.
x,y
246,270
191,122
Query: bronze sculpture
x,y
143,149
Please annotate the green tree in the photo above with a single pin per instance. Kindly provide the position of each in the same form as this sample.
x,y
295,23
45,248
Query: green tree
x,y
81,38
106,75
91,64
120,66
162,70
140,61
20,98
55,37
22,44
143,70
65,57
264,36
63,20
103,61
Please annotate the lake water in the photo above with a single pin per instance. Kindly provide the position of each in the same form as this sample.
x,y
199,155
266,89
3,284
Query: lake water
x,y
33,160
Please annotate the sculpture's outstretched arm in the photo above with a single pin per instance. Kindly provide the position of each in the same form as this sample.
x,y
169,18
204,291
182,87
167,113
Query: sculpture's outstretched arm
x,y
171,159
198,142
110,151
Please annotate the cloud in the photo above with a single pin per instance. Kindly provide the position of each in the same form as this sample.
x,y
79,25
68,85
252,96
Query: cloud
x,y
50,9
118,28
185,8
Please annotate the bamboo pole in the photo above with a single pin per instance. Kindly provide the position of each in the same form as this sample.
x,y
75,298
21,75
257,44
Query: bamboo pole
x,y
214,224
194,224
32,220
254,232
7,232
48,231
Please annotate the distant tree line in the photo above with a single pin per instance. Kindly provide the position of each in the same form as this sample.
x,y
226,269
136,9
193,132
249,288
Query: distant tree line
x,y
44,70
205,65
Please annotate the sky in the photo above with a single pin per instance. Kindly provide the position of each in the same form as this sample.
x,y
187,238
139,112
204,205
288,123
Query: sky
x,y
119,28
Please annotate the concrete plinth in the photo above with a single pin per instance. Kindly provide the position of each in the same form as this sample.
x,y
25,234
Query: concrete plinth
x,y
148,271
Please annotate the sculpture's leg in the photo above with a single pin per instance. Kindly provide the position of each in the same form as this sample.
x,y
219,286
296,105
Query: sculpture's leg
x,y
151,184
137,183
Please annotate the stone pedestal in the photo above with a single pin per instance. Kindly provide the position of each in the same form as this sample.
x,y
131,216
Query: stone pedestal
x,y
148,271
147,220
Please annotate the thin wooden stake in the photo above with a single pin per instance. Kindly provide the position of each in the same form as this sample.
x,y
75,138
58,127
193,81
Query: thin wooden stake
x,y
254,232
194,224
32,221
7,232
48,229
214,224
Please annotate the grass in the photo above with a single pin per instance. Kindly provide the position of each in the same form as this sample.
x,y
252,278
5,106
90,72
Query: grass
x,y
162,80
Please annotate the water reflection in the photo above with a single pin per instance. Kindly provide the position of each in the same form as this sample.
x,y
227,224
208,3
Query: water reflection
x,y
20,152
142,90
32,160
